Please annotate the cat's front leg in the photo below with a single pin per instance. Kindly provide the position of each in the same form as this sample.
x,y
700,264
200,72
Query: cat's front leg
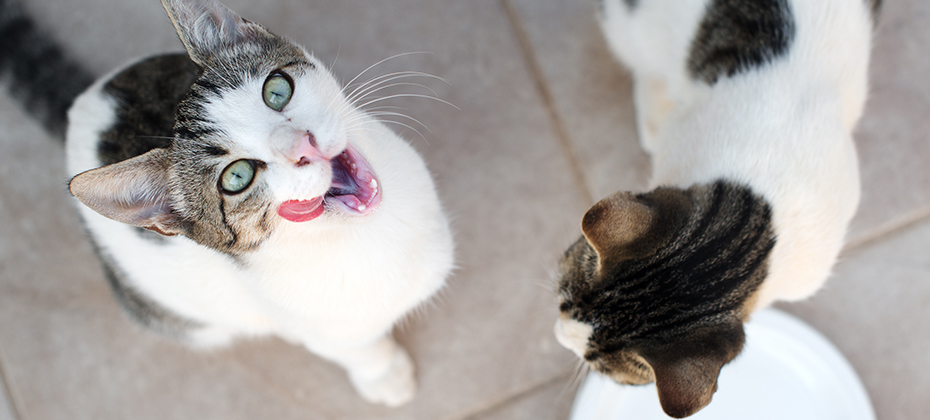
x,y
382,371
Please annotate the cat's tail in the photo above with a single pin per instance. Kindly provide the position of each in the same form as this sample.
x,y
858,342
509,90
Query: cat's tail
x,y
39,75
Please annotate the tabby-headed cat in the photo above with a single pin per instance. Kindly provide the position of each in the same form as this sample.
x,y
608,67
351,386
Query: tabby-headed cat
x,y
237,191
746,108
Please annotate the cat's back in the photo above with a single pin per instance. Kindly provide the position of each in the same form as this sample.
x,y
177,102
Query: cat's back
x,y
774,110
127,112
687,41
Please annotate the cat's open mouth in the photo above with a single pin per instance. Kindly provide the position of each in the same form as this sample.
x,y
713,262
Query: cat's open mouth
x,y
354,190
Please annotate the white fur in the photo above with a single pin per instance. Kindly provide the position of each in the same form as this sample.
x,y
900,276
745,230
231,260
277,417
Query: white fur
x,y
784,129
573,335
336,284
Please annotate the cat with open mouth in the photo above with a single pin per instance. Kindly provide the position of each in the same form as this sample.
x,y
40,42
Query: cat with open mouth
x,y
278,205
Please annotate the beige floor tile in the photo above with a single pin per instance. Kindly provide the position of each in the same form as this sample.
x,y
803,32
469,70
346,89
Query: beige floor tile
x,y
501,173
552,401
892,137
876,311
593,96
6,407
592,93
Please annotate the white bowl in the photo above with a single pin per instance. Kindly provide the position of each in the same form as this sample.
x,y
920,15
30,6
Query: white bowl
x,y
787,371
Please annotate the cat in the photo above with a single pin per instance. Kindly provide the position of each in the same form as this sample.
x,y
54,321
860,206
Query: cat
x,y
746,109
238,191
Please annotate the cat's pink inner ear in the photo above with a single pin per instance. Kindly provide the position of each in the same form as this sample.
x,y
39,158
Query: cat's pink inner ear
x,y
614,223
134,191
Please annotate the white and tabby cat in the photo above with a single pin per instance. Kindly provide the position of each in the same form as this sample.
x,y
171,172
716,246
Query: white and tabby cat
x,y
237,192
746,108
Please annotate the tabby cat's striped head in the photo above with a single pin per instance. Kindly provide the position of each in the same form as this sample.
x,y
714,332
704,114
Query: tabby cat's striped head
x,y
660,283
261,138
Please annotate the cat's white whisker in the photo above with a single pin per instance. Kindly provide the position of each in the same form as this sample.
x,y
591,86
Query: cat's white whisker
x,y
373,81
398,114
360,90
220,73
383,121
412,95
382,61
407,126
338,50
380,107
380,88
578,373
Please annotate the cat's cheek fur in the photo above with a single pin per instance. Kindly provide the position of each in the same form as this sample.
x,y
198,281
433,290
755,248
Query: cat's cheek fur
x,y
573,335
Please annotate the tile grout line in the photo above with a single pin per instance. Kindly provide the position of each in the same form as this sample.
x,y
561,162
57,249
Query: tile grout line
x,y
542,88
511,398
887,230
8,390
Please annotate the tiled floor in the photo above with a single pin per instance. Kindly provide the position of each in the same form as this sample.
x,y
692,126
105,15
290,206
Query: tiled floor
x,y
545,124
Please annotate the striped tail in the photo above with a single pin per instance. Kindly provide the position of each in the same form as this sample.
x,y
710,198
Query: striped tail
x,y
39,74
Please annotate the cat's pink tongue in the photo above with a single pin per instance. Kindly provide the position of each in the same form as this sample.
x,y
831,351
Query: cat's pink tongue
x,y
301,210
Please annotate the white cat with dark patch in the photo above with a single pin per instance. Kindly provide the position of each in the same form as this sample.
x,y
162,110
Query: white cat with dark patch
x,y
747,108
282,208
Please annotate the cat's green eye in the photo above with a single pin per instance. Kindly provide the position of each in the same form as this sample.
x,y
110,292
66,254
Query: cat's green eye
x,y
277,91
237,176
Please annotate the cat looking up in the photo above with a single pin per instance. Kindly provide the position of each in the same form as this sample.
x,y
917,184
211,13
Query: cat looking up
x,y
238,190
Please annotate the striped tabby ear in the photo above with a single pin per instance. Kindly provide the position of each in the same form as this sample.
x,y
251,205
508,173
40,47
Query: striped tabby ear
x,y
625,226
686,370
134,191
207,26
614,223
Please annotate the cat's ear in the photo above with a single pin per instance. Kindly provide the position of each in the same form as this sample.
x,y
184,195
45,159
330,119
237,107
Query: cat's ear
x,y
624,226
134,191
207,26
686,371
614,223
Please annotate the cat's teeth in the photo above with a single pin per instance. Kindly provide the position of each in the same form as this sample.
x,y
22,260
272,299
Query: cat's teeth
x,y
373,183
361,207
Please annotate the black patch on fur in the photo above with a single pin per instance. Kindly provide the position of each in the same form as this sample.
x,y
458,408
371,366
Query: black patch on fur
x,y
631,4
735,36
41,76
147,95
715,261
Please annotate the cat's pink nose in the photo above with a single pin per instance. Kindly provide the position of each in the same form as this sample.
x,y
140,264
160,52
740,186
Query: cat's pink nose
x,y
306,152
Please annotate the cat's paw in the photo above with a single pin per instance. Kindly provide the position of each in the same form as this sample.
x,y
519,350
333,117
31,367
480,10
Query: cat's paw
x,y
394,387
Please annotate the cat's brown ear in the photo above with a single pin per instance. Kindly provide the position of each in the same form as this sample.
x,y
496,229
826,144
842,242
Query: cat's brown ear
x,y
686,371
207,26
134,191
624,226
614,223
